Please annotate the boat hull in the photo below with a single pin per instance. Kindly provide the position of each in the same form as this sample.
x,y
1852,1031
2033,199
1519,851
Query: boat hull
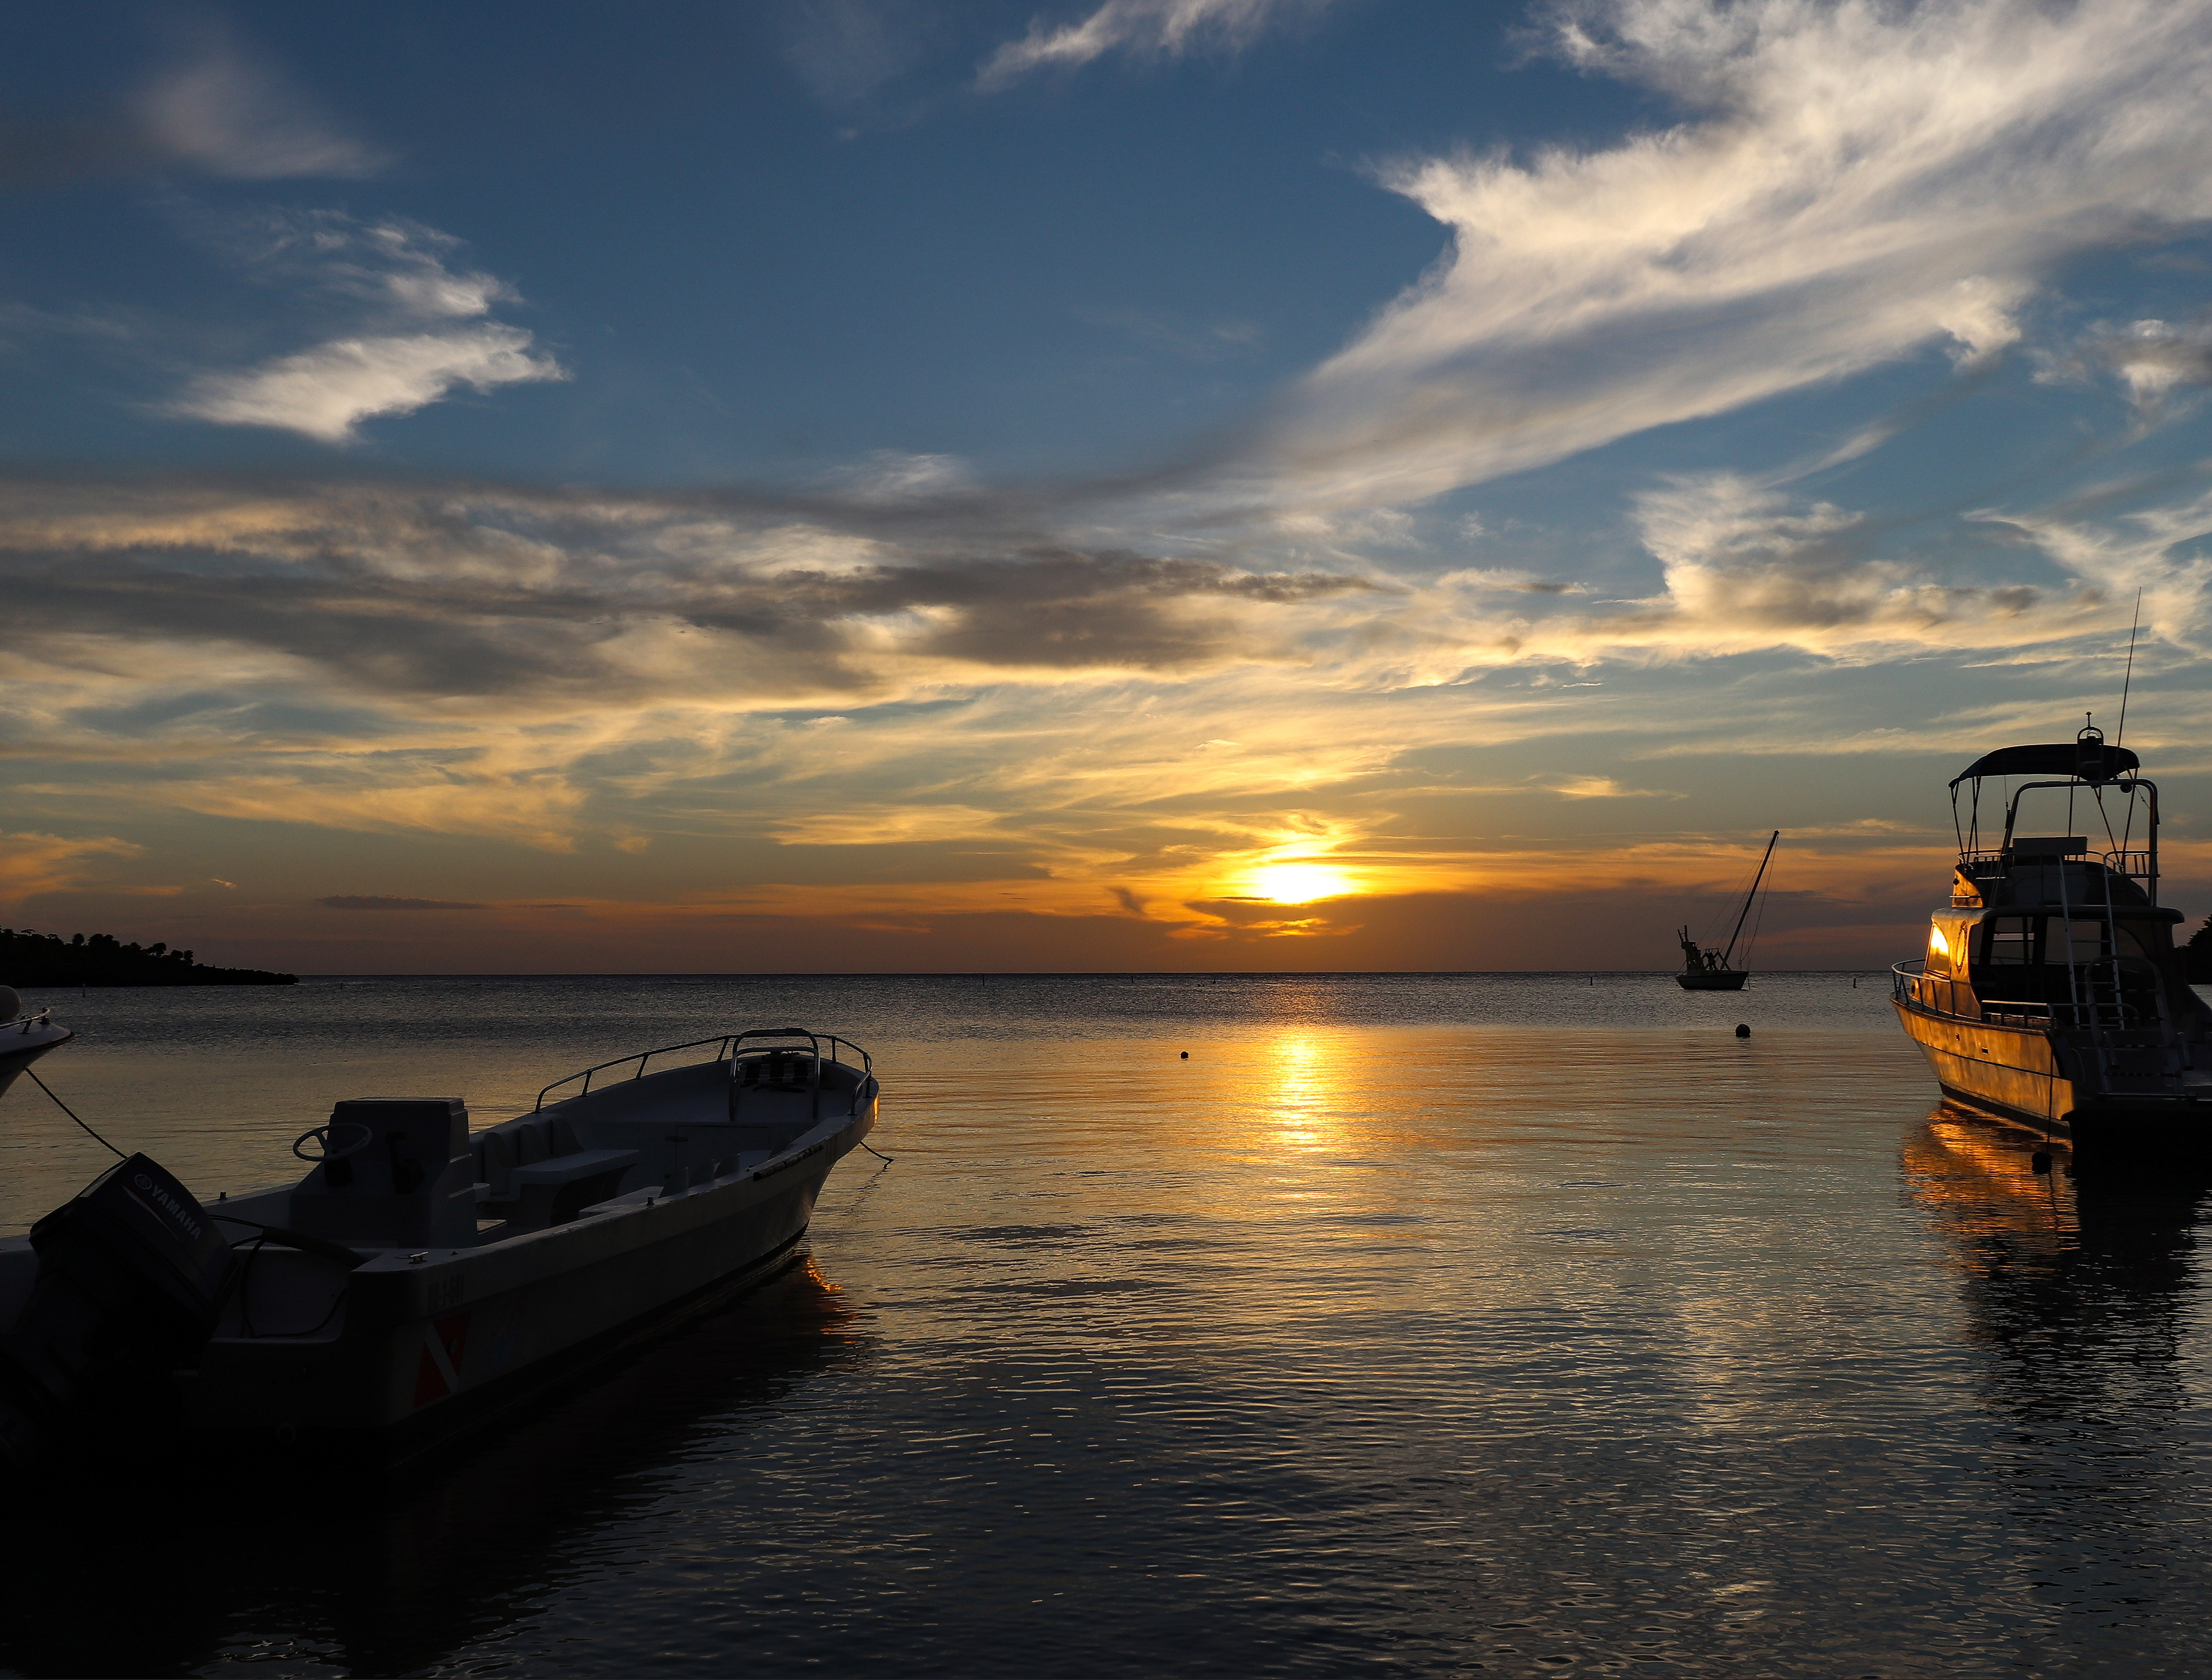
x,y
2012,1072
1715,980
2020,1075
23,1043
419,1352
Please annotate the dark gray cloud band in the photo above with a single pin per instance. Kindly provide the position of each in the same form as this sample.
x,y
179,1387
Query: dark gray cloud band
x,y
427,590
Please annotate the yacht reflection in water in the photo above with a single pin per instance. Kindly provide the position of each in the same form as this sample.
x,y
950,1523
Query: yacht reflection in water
x,y
369,1579
2083,1286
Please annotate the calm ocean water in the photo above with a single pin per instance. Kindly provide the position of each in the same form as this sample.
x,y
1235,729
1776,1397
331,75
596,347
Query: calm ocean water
x,y
1522,1324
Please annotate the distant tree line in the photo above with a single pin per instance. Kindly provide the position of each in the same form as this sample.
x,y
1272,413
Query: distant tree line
x,y
2198,953
28,958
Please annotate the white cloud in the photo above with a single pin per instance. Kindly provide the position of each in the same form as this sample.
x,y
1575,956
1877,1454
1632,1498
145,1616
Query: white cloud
x,y
2154,359
411,349
889,476
845,50
1861,181
1604,787
2158,551
230,113
324,392
1745,570
1165,27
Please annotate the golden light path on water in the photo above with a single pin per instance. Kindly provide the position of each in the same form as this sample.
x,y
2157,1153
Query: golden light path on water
x,y
1533,1322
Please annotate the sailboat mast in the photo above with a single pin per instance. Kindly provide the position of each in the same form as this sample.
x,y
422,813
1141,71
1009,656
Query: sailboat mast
x,y
1748,896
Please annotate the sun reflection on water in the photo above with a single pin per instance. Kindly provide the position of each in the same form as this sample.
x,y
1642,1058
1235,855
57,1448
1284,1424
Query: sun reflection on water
x,y
1305,1104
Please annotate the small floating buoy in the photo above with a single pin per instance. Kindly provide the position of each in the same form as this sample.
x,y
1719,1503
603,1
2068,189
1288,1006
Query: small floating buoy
x,y
2040,1160
1185,1055
1742,1031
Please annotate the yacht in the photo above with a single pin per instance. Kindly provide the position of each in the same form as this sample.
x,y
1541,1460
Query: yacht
x,y
2051,995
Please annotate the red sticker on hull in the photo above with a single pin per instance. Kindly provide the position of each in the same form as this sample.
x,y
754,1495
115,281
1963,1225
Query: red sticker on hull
x,y
439,1373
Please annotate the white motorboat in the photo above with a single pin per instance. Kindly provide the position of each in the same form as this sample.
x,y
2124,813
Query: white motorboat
x,y
2051,995
421,1277
25,1038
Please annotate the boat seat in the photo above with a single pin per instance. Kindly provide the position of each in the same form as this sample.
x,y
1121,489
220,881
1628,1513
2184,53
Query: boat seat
x,y
494,1161
552,1189
527,1141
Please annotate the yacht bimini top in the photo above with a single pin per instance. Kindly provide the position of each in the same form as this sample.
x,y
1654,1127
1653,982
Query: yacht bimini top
x,y
2091,760
2086,765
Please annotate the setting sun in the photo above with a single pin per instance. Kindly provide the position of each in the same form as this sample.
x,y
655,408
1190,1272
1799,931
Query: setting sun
x,y
1301,883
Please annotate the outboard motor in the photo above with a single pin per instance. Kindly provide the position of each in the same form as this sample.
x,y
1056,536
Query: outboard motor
x,y
131,1275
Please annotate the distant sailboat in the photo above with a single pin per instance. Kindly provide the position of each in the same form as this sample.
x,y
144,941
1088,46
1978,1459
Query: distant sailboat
x,y
1706,971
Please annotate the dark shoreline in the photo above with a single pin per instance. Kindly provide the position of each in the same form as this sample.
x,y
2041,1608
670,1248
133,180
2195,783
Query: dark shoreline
x,y
32,962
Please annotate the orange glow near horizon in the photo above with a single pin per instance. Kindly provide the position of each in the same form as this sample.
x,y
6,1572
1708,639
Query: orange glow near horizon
x,y
1300,882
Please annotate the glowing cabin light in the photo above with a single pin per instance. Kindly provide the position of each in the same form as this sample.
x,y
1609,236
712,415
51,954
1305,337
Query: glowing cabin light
x,y
1939,952
1300,882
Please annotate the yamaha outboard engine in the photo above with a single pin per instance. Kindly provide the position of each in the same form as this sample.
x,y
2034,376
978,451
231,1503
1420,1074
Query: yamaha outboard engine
x,y
131,1275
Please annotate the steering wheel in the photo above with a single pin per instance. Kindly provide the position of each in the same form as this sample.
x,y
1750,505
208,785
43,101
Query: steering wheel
x,y
331,1150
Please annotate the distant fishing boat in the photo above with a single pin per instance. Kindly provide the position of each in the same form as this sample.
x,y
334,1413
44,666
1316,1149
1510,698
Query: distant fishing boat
x,y
2051,995
1709,970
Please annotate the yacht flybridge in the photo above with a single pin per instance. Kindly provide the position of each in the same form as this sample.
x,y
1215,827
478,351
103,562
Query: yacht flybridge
x,y
2051,995
419,1277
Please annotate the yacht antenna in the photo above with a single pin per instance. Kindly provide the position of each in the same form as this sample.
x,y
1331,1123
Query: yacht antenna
x,y
2131,676
2128,831
1749,896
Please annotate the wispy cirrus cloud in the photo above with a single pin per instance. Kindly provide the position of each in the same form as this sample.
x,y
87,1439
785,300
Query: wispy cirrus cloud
x,y
1605,787
845,50
425,331
1856,181
220,108
2155,362
373,901
1159,28
327,392
32,864
1745,567
228,111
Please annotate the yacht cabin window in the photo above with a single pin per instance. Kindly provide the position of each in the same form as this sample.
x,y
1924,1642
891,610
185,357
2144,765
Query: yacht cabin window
x,y
1939,951
2084,939
2020,941
2008,941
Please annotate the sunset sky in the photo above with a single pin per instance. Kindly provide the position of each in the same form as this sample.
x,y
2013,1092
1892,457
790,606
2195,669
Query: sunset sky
x,y
878,485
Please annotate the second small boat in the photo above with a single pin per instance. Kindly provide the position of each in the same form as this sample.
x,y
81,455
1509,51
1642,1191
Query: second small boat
x,y
1708,971
25,1038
